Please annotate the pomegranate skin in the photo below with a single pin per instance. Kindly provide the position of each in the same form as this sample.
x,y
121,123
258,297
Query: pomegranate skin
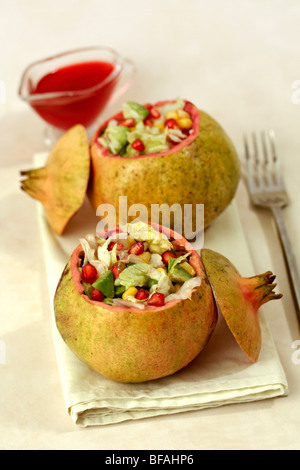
x,y
239,299
133,345
62,183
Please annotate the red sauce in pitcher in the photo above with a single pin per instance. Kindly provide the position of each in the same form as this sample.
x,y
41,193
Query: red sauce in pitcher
x,y
84,97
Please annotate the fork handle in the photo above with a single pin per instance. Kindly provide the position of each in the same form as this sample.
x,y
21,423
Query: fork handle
x,y
289,257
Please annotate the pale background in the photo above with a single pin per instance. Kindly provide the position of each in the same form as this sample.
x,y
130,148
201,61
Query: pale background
x,y
237,60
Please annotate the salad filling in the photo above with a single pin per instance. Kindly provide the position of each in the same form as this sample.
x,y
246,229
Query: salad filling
x,y
137,267
147,129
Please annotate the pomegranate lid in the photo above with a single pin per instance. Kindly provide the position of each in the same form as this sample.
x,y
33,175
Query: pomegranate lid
x,y
239,299
61,184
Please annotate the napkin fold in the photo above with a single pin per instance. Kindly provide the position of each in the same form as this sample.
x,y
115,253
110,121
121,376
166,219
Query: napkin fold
x,y
221,374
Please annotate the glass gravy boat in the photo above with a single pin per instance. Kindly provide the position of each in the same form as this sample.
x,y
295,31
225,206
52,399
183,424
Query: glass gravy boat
x,y
74,87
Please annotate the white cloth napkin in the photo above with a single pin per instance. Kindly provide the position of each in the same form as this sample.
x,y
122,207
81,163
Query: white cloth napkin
x,y
221,374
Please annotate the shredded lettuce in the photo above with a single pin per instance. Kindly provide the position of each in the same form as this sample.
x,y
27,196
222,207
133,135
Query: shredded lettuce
x,y
115,138
153,140
107,257
164,285
134,110
98,255
172,262
135,275
129,303
141,231
175,134
90,257
156,260
118,138
138,273
185,291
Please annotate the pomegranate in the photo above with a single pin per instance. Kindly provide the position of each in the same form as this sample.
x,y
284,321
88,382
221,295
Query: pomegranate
x,y
116,271
203,168
154,113
62,183
142,294
120,246
97,295
166,255
138,145
89,273
157,300
129,344
128,122
136,249
239,299
171,123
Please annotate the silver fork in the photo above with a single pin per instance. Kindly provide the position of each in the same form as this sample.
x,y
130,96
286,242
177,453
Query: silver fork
x,y
267,189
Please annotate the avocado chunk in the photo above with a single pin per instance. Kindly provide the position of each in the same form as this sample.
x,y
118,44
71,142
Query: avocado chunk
x,y
178,274
119,290
135,111
152,282
105,284
87,289
117,138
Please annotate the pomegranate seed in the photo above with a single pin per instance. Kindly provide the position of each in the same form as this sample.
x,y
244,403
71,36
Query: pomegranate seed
x,y
130,122
97,295
116,271
120,246
119,118
148,122
138,145
136,249
166,255
171,123
89,273
142,294
154,113
157,300
148,106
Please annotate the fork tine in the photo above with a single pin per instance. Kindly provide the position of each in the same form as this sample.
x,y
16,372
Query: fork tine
x,y
276,166
272,142
258,166
250,173
267,168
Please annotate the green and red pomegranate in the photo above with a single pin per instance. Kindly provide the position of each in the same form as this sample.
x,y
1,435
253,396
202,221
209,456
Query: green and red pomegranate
x,y
139,303
169,153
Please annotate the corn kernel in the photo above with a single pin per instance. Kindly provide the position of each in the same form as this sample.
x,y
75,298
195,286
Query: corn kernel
x,y
131,291
162,269
145,256
159,125
130,241
185,123
172,115
188,268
